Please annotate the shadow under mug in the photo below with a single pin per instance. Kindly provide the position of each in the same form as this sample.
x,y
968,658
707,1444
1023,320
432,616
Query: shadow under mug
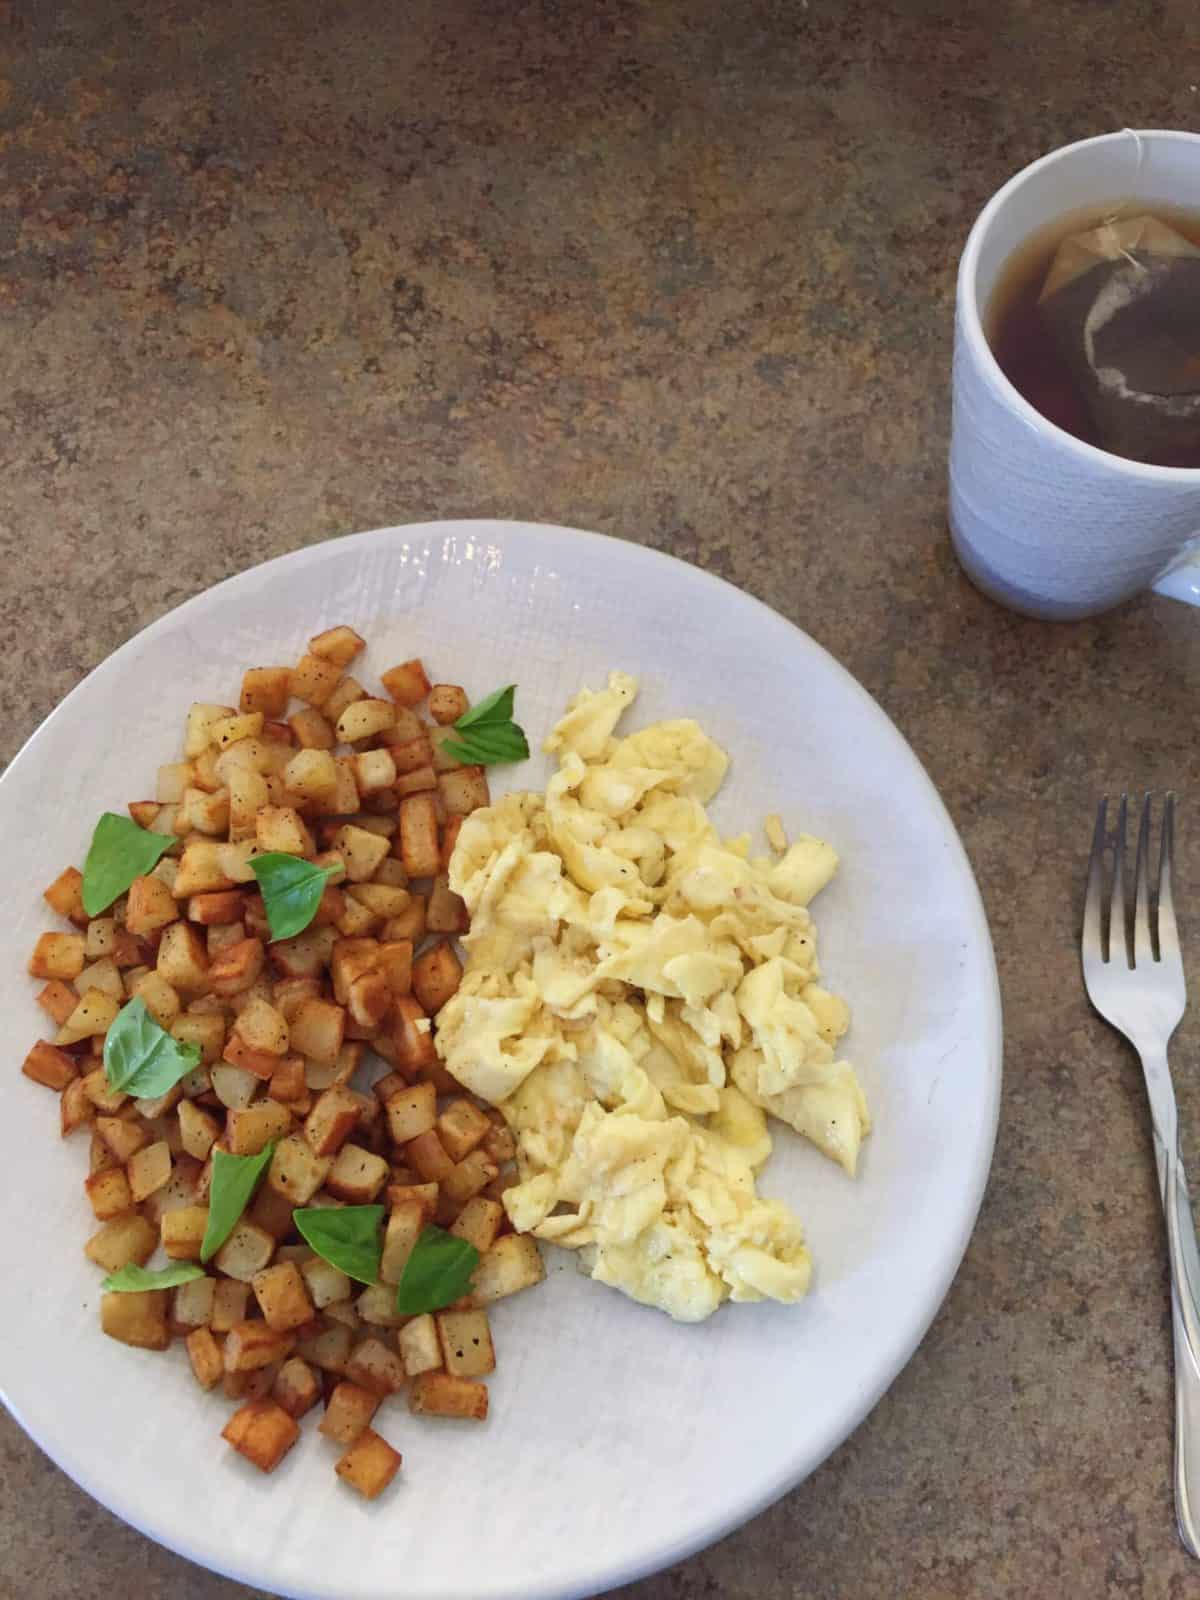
x,y
1041,521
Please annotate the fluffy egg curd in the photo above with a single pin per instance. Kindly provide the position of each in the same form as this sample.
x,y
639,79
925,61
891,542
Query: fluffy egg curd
x,y
639,996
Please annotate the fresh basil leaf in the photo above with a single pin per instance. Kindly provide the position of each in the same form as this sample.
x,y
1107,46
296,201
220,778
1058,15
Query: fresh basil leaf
x,y
345,1236
234,1180
120,851
142,1059
135,1280
291,891
488,745
436,1274
496,707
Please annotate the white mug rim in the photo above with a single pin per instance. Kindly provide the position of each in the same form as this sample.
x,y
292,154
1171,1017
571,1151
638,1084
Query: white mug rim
x,y
971,323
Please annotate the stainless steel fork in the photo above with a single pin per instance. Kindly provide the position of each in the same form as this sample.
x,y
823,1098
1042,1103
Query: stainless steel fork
x,y
1139,988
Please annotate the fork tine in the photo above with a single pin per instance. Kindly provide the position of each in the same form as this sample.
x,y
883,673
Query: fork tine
x,y
1118,936
1093,905
1143,946
1168,933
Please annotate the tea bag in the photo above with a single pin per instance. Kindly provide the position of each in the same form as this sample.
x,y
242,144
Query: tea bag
x,y
1123,304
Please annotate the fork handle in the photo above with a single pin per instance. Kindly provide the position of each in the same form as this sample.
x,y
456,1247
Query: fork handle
x,y
1185,1318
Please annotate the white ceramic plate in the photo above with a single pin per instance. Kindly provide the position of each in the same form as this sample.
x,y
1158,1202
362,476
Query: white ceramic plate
x,y
618,1441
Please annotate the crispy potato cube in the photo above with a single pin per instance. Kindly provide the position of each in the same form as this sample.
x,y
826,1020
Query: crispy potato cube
x,y
425,1195
58,1000
499,1143
229,1304
327,1285
296,1388
202,870
101,936
252,1128
404,1227
304,956
414,1043
464,790
479,1222
248,794
365,719
395,965
383,899
343,1311
65,895
282,1296
311,730
124,1138
356,1175
426,1154
148,1170
374,770
407,683
344,801
369,1000
411,1112
290,994
247,1386
450,833
409,925
160,998
415,782
48,1065
123,1240
361,850
247,1250
198,1130
182,1231
200,720
471,1175
192,1303
436,975
58,955
350,1409
513,1263
350,959
109,1193
183,958
369,1464
288,1084
413,755
143,812
282,828
262,1431
466,1340
420,1347
419,835
377,1305
439,739
202,811
107,1100
445,912
204,1353
355,920
102,975
441,1394
250,1345
271,1212
225,906
75,1110
236,968
376,1367
347,692
228,731
263,1027
296,1171
448,702
331,1121
266,689
329,1349
339,645
312,774
233,1086
172,781
136,1319
318,1030
461,1127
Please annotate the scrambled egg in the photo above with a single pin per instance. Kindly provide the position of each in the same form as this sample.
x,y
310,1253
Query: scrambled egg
x,y
638,996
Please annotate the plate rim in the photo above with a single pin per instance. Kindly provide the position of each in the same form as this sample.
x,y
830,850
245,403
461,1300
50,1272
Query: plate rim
x,y
746,1507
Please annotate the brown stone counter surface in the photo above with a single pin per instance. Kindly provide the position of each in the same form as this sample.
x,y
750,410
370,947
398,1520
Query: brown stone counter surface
x,y
681,271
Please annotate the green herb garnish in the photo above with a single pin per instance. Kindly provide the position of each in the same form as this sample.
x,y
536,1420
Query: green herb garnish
x,y
488,733
437,1273
291,890
142,1059
234,1180
345,1236
136,1280
120,851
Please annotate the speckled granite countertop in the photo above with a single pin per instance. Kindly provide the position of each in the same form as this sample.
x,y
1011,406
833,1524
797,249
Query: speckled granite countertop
x,y
682,271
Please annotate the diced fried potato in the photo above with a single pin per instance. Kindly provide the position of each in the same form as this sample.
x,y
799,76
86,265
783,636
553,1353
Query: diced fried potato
x,y
192,1303
48,1065
404,1226
311,774
247,1250
425,1195
377,1305
282,1296
376,1367
318,1030
411,1112
288,1084
305,956
183,959
440,1394
65,895
312,730
228,731
262,1431
327,1285
282,828
347,692
461,1127
499,1143
448,702
123,1137
138,1319
513,1263
395,965
58,955
202,811
271,1212
296,1388
365,719
350,1409
374,770
420,1347
407,683
329,1349
229,1304
436,975
104,1099
143,812
450,833
200,721
464,790
427,1155
410,924
204,1353
250,1345
252,1128
248,793
419,836
182,1231
58,1000
369,1464
160,998
344,801
233,1086
479,1222
445,911
263,1027
222,908
382,899
236,967
343,1311
439,739
74,1107
414,755
296,1172
471,1175
415,782
172,781
108,1192
414,1043
361,850
357,1175
266,689
339,645
466,1339
202,870
198,1129
124,1240
331,1121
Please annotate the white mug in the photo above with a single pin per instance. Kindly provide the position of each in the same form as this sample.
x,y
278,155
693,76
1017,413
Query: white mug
x,y
1041,521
